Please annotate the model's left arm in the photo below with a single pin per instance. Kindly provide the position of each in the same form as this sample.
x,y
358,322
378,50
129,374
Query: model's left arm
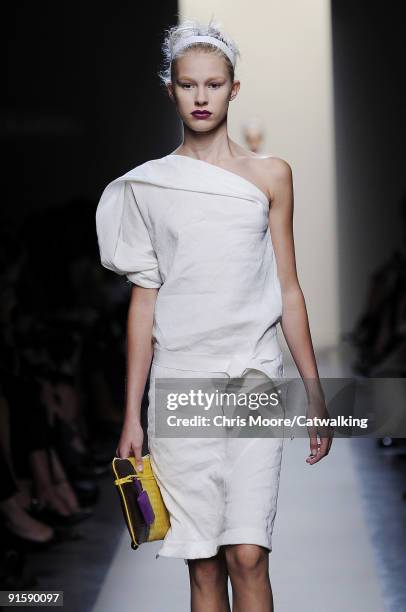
x,y
294,322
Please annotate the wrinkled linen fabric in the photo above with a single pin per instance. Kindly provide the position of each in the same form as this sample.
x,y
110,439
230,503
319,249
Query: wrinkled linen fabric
x,y
217,490
200,235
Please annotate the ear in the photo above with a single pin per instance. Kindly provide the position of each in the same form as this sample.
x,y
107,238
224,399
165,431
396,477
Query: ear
x,y
234,89
169,88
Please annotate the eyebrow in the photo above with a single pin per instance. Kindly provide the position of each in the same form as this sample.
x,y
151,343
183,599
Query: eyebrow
x,y
187,78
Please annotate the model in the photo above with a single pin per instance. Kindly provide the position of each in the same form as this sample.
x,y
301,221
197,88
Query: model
x,y
205,234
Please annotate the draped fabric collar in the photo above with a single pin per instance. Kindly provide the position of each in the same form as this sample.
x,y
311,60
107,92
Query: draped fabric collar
x,y
187,173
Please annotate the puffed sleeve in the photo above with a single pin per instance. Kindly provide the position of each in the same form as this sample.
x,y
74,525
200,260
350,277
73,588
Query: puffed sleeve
x,y
124,241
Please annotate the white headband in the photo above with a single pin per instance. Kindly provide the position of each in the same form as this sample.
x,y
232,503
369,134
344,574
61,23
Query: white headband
x,y
190,40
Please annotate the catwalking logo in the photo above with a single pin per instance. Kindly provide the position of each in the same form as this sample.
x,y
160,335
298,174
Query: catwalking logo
x,y
339,421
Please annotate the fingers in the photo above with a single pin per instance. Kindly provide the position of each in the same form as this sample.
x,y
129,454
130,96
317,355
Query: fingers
x,y
318,450
124,452
330,442
314,449
138,458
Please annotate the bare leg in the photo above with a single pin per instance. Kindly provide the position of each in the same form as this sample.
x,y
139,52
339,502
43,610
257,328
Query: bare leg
x,y
248,567
209,584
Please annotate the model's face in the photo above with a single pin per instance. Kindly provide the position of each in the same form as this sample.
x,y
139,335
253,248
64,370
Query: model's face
x,y
202,83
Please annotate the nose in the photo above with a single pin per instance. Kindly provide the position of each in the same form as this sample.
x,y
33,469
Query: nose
x,y
201,96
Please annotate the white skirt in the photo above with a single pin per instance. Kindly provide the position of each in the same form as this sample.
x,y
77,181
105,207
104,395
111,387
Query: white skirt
x,y
217,490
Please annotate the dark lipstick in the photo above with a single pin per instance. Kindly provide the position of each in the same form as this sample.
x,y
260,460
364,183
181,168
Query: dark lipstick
x,y
201,114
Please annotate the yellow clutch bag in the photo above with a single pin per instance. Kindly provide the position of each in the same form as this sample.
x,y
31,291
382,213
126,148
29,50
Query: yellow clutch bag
x,y
145,513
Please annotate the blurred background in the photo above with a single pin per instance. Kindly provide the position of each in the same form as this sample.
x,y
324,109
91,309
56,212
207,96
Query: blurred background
x,y
322,87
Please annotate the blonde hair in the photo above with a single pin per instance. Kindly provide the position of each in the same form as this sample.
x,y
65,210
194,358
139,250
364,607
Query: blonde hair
x,y
184,30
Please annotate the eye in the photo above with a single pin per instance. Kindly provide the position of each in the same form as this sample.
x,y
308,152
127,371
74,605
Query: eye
x,y
186,85
215,85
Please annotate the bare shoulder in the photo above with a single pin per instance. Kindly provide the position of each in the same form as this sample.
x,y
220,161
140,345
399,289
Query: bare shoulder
x,y
270,173
269,164
274,172
277,168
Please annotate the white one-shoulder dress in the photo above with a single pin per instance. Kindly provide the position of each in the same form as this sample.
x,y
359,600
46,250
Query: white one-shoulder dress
x,y
200,234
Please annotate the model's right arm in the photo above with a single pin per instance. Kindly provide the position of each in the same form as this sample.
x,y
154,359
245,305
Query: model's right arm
x,y
126,248
139,355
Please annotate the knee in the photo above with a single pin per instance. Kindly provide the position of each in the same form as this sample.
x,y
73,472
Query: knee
x,y
206,572
245,559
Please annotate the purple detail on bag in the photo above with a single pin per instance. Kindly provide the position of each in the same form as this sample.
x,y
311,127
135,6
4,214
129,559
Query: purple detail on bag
x,y
138,486
146,508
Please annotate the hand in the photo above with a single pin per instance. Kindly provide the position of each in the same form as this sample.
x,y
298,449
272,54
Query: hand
x,y
319,450
131,441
